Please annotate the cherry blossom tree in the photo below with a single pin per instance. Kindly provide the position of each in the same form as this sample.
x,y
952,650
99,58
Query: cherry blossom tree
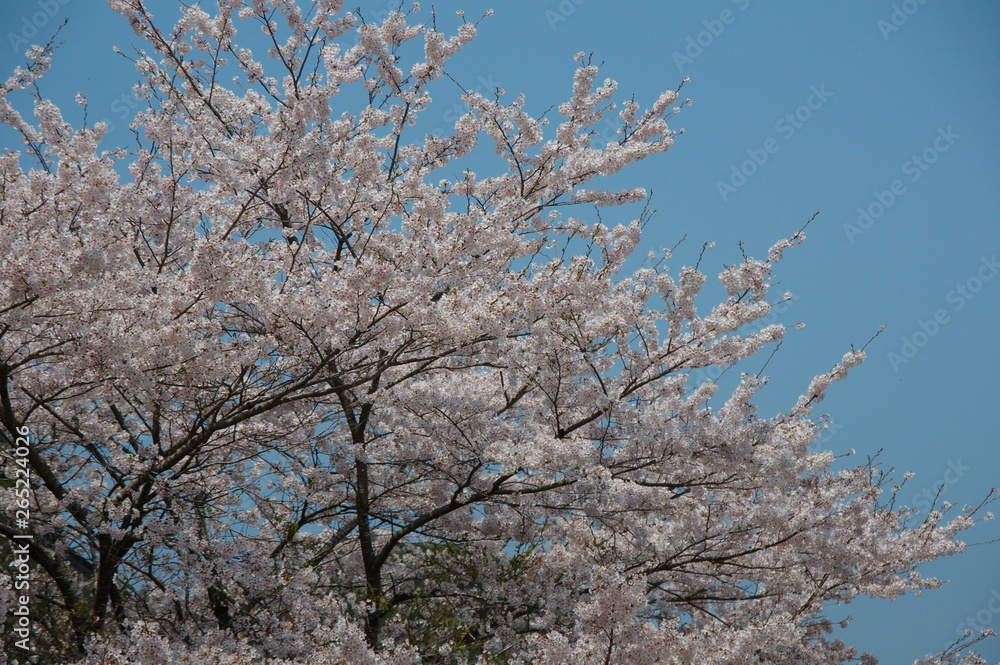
x,y
301,386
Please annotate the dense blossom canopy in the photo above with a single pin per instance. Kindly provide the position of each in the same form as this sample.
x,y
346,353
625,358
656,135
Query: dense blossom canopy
x,y
302,386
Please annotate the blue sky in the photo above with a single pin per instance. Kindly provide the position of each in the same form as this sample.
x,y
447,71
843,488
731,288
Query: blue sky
x,y
880,115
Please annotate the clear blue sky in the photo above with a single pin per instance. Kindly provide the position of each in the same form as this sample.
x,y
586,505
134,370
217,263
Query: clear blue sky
x,y
888,107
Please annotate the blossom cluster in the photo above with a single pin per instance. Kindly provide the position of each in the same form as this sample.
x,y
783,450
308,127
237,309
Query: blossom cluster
x,y
302,394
